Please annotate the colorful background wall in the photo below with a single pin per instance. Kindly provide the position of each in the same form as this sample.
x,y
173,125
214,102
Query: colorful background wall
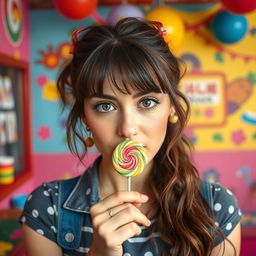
x,y
223,133
220,83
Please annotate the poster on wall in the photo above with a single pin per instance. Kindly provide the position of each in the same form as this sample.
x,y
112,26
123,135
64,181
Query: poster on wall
x,y
12,20
206,94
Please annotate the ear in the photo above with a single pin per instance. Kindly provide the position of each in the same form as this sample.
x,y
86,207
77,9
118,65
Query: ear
x,y
172,110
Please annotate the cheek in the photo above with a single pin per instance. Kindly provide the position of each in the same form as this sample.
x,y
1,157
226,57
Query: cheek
x,y
163,124
98,132
159,126
156,135
101,135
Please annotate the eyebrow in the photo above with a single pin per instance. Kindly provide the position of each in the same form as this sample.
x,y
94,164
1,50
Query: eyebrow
x,y
137,95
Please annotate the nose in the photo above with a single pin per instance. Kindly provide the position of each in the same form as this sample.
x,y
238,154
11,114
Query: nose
x,y
127,127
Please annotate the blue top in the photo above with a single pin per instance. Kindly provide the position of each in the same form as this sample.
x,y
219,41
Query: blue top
x,y
42,214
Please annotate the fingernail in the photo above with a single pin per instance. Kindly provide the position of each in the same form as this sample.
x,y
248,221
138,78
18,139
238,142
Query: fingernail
x,y
149,222
144,197
139,231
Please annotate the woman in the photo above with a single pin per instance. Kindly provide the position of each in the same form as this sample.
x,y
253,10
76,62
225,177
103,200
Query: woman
x,y
124,85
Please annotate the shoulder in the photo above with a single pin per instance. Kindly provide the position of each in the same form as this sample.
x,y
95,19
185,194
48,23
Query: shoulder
x,y
43,200
44,193
40,211
42,207
47,194
218,196
224,206
223,198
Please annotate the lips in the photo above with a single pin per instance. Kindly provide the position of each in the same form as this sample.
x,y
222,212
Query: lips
x,y
134,140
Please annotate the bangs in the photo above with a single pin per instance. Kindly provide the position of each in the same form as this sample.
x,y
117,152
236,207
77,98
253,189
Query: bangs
x,y
125,65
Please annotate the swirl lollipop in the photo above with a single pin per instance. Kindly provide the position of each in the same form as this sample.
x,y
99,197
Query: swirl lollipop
x,y
129,159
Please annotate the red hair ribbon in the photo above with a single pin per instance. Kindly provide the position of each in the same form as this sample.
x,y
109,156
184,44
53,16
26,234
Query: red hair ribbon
x,y
161,30
75,38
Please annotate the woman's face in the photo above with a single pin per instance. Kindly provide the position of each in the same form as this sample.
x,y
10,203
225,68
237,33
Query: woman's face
x,y
139,116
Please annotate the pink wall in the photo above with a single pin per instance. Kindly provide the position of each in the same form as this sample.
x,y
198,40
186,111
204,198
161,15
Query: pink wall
x,y
21,48
226,165
63,166
23,189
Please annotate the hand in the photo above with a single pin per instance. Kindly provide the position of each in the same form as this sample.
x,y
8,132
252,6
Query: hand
x,y
115,219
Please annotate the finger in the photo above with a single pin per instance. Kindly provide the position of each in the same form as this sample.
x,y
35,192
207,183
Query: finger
x,y
122,234
103,217
125,216
118,199
113,211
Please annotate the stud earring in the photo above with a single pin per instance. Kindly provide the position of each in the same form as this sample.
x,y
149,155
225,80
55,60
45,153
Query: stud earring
x,y
89,140
173,118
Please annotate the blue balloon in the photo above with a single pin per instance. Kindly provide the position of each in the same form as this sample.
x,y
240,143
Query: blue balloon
x,y
229,28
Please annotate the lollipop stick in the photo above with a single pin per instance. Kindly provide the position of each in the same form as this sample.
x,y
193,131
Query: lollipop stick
x,y
129,183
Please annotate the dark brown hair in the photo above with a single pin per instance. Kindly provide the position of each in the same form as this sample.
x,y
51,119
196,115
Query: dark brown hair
x,y
135,51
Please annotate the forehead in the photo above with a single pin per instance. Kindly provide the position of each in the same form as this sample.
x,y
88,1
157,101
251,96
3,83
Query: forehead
x,y
122,73
118,84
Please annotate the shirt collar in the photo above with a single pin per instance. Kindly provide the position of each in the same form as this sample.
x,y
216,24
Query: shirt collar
x,y
85,193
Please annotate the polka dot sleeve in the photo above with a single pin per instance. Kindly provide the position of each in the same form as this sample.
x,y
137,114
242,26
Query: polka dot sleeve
x,y
226,210
40,211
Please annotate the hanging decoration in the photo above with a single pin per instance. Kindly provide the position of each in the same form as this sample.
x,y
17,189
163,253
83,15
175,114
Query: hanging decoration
x,y
75,9
239,6
172,23
221,49
122,11
229,28
95,15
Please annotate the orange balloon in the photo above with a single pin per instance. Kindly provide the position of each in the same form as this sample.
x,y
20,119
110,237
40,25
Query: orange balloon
x,y
172,23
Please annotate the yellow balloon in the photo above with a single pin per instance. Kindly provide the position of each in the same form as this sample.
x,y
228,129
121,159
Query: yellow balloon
x,y
172,23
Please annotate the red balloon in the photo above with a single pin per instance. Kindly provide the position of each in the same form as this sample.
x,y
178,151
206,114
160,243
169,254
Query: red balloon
x,y
239,6
75,9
